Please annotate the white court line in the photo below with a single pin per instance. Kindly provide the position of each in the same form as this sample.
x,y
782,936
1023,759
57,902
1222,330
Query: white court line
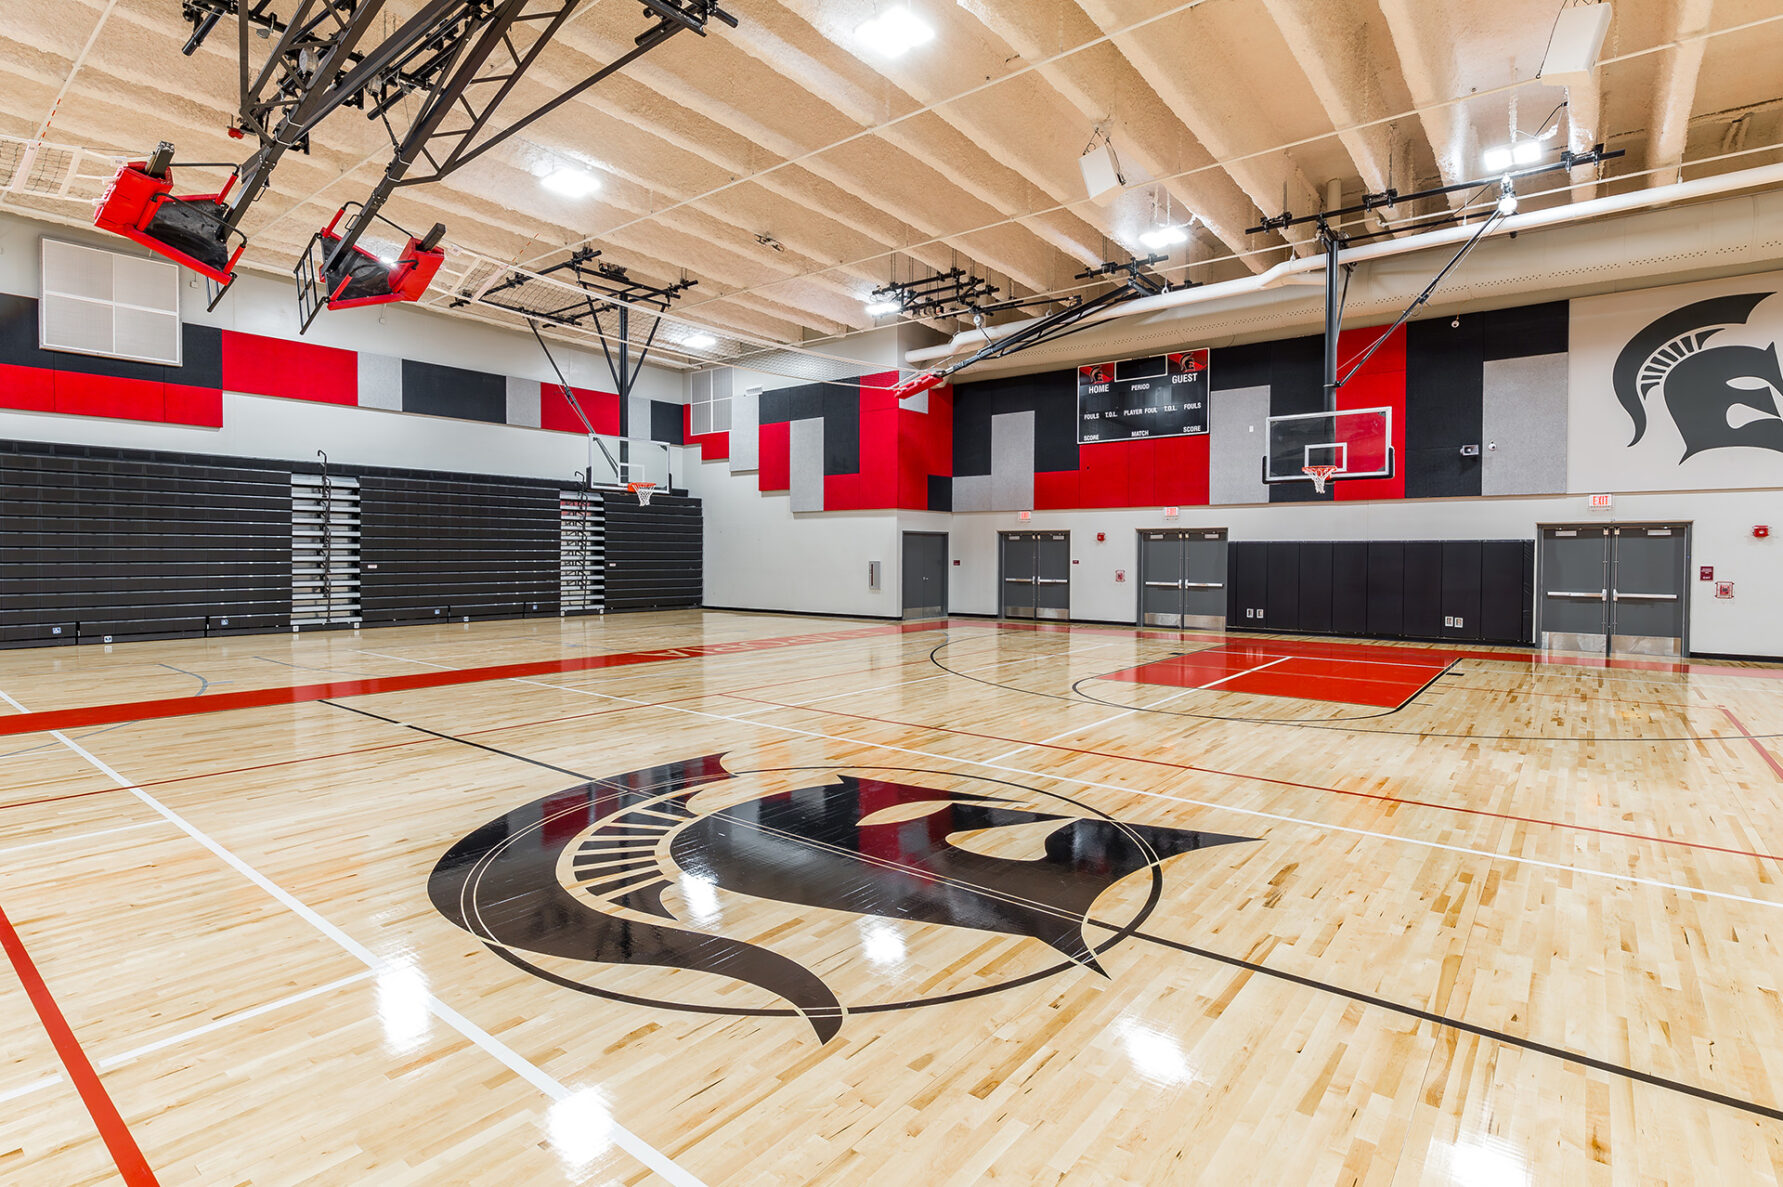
x,y
403,659
1211,683
1256,813
103,832
921,679
626,1140
185,1036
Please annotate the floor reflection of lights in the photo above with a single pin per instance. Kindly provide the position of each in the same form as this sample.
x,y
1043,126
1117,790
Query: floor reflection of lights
x,y
1484,1161
1155,1055
580,1129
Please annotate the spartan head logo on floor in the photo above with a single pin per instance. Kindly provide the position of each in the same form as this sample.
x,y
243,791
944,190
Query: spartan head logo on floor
x,y
756,878
1718,396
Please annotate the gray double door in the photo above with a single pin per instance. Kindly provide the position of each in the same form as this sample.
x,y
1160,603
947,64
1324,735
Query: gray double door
x,y
925,574
1036,574
1615,589
1182,578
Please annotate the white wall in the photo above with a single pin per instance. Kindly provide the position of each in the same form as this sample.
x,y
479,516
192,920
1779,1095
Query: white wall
x,y
1748,624
760,556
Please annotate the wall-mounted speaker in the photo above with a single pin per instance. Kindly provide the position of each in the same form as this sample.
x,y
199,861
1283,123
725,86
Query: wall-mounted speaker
x,y
1578,39
1101,170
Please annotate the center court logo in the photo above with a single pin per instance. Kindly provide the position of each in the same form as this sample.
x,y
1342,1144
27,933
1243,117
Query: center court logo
x,y
880,877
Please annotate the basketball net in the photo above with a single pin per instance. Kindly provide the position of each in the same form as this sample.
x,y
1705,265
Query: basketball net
x,y
645,489
1319,475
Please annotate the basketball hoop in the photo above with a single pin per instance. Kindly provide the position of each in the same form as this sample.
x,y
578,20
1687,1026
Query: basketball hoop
x,y
643,490
1319,475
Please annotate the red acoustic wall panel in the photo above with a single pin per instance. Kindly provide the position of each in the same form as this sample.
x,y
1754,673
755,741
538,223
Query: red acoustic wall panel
x,y
1179,471
79,394
775,471
29,389
1380,384
1056,490
714,447
925,447
1102,475
601,409
201,406
291,370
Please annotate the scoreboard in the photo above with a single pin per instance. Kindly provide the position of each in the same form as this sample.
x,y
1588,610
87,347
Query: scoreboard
x,y
1160,397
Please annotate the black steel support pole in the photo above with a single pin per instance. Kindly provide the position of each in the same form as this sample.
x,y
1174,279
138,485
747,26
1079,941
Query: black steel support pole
x,y
1333,315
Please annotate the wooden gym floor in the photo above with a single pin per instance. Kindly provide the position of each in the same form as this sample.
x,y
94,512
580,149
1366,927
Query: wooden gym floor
x,y
750,899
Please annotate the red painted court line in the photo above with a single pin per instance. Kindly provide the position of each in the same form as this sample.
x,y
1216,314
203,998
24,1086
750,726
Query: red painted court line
x,y
124,1151
1361,795
261,698
1768,756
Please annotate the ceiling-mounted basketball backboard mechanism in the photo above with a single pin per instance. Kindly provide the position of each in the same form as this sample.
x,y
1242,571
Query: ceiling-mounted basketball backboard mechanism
x,y
333,279
193,230
436,82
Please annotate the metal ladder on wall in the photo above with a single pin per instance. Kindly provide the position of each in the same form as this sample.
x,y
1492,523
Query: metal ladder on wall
x,y
581,552
324,551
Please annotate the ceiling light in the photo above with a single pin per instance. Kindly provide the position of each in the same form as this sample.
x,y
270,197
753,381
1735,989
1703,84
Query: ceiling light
x,y
880,308
699,342
1507,199
1168,236
1527,152
895,32
570,182
1497,159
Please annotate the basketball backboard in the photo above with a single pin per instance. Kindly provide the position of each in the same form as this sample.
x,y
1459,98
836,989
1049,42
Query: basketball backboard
x,y
1358,442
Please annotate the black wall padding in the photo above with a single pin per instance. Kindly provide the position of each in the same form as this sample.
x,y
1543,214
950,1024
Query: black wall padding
x,y
1349,588
1423,612
1385,588
97,542
655,554
1282,602
1315,587
1247,583
454,549
1507,591
1461,589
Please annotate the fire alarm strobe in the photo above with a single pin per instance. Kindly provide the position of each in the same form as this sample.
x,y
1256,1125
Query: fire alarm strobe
x,y
1760,531
1101,537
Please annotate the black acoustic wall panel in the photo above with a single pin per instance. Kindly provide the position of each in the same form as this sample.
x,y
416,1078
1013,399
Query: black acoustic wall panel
x,y
1283,600
1423,611
655,554
437,390
1461,588
665,422
1315,587
1505,590
437,549
1296,386
1386,588
102,542
1349,588
1444,394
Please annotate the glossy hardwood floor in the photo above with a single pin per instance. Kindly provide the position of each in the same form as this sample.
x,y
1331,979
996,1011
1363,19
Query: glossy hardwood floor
x,y
789,900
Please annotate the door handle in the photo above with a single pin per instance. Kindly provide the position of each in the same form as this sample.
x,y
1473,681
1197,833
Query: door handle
x,y
1624,596
1052,581
1567,593
1162,585
1204,585
1019,580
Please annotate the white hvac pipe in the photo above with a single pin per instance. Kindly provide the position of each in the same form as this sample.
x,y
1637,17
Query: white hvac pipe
x,y
1296,271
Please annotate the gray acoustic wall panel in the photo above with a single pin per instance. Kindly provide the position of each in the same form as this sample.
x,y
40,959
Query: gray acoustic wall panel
x,y
746,431
524,398
1523,413
1238,436
806,471
1012,461
380,381
972,493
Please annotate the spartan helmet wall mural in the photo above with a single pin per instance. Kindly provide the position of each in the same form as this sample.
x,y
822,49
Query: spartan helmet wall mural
x,y
1718,396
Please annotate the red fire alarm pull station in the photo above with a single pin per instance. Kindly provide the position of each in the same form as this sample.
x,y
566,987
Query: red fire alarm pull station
x,y
1760,531
1705,573
1101,537
1120,574
1724,589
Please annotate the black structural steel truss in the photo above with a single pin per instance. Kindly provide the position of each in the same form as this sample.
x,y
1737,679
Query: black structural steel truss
x,y
1334,241
437,81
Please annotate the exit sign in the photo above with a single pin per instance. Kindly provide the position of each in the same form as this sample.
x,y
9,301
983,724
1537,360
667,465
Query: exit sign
x,y
1602,502
1171,512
